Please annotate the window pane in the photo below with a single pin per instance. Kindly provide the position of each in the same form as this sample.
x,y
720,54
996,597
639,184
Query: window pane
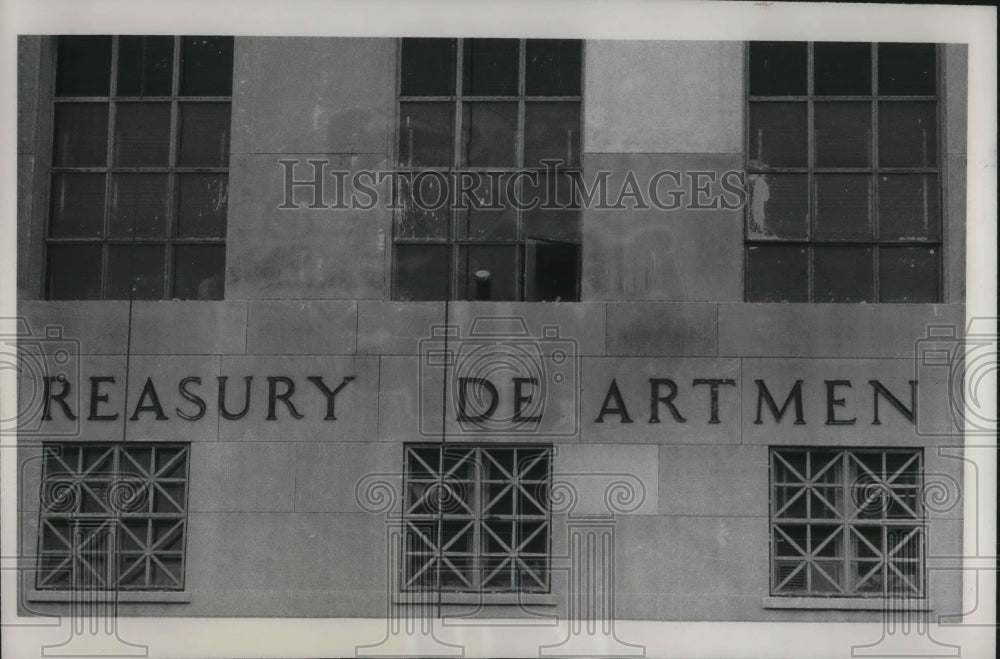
x,y
777,68
77,206
489,214
206,66
487,272
842,68
843,274
552,132
489,134
202,202
426,206
81,135
907,135
142,134
557,215
908,207
843,134
491,67
909,274
204,135
84,66
74,272
906,68
779,207
550,271
422,272
843,206
425,134
427,67
552,67
139,206
135,266
199,272
777,273
778,135
145,66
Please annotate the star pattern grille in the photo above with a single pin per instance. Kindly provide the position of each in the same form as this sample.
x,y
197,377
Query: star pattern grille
x,y
113,517
476,518
847,523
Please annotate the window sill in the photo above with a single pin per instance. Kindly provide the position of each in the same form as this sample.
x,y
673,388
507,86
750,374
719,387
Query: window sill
x,y
848,603
121,596
482,599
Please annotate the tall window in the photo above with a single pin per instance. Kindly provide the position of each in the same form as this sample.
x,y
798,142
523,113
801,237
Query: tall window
x,y
844,202
847,523
477,518
500,119
140,164
113,517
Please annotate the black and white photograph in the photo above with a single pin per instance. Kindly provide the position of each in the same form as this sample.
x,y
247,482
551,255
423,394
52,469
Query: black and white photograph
x,y
368,331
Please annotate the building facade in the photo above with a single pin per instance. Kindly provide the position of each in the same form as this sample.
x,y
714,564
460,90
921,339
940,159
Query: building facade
x,y
333,327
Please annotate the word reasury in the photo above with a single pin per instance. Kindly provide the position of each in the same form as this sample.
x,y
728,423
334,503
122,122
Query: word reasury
x,y
279,389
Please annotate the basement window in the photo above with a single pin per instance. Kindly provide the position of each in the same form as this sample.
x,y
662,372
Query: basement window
x,y
477,519
113,517
847,523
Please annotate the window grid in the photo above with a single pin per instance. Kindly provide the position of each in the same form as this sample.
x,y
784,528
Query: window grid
x,y
170,240
452,239
810,242
847,523
113,517
476,519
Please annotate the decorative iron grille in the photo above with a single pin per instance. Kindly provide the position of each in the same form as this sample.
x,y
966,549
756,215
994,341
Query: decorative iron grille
x,y
847,523
113,517
477,519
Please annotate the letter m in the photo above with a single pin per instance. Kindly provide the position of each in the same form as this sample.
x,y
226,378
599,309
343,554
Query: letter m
x,y
794,396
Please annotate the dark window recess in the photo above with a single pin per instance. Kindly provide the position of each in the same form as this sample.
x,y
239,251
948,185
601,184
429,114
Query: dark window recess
x,y
421,272
139,190
145,66
491,67
777,68
843,176
206,66
505,106
83,66
427,67
777,273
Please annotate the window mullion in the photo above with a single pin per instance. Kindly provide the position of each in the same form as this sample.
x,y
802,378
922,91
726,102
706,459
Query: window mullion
x,y
845,483
108,164
519,161
478,523
810,175
874,222
173,181
456,162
